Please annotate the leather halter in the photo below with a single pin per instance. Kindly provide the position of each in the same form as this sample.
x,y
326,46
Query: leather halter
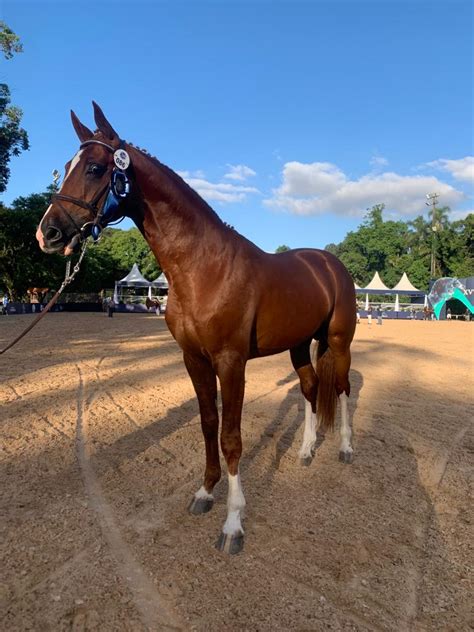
x,y
96,225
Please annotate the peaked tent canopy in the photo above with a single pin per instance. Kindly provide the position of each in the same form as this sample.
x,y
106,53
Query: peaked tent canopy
x,y
376,284
405,285
133,279
160,282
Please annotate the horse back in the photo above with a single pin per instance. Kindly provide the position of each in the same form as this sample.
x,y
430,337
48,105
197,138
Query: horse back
x,y
301,291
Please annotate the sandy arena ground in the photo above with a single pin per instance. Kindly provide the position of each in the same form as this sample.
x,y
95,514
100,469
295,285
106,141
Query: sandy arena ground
x,y
101,452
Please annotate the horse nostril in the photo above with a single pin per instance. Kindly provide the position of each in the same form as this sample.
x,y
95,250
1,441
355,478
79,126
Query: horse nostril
x,y
52,234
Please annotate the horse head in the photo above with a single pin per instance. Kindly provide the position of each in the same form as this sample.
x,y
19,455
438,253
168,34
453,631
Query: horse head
x,y
97,189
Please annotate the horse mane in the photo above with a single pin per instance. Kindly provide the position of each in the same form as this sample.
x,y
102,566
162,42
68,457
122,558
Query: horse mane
x,y
181,184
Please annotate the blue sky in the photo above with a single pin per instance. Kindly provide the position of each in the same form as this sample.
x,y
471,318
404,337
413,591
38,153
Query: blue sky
x,y
290,118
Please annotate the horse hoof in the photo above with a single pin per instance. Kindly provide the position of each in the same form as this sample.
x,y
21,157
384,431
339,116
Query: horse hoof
x,y
231,544
200,505
306,460
346,457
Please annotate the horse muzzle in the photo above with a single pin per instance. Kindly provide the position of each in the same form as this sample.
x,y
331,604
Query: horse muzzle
x,y
53,241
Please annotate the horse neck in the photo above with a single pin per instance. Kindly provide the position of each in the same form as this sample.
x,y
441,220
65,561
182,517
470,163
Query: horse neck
x,y
177,223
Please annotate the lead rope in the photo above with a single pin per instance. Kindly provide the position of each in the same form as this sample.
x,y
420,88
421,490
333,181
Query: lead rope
x,y
68,278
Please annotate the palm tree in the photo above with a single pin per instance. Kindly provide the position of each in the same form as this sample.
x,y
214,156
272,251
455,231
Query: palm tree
x,y
439,221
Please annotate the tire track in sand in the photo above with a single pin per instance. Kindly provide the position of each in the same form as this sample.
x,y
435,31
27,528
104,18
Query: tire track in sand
x,y
155,613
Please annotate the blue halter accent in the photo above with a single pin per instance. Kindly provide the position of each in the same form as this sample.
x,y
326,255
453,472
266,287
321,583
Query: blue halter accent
x,y
119,190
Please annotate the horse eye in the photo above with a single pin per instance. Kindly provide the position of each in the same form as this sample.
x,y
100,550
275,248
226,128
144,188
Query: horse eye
x,y
96,170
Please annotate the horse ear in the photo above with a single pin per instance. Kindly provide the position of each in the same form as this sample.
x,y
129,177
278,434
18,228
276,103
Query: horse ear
x,y
82,131
102,123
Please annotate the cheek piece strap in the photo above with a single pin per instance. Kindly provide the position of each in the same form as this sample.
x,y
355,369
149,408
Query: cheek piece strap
x,y
116,191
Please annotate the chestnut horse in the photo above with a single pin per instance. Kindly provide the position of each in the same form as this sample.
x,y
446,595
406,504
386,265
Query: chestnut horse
x,y
228,300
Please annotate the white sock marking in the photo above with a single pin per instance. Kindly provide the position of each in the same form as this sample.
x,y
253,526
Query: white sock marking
x,y
346,432
235,507
309,435
203,493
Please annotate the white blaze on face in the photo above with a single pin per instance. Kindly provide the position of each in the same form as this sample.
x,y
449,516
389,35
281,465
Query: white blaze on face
x,y
39,232
73,164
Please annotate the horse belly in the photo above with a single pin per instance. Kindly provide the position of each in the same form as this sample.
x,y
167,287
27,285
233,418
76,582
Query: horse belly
x,y
285,325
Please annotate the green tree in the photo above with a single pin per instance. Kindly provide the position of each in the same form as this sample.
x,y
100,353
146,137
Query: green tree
x,y
13,138
126,247
22,264
438,223
391,248
9,41
455,248
282,248
375,246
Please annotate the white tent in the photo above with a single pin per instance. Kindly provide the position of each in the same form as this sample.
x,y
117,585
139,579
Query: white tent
x,y
405,285
161,282
134,279
376,284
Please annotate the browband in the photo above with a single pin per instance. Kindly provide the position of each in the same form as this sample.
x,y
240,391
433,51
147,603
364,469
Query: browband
x,y
99,142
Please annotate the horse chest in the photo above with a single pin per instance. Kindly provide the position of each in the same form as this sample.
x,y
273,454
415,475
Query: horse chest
x,y
183,329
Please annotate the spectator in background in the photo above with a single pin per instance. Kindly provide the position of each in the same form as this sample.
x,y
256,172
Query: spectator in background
x,y
5,302
369,315
379,315
110,307
448,314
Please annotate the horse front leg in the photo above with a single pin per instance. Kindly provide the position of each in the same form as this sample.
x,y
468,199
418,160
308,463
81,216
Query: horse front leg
x,y
204,381
231,371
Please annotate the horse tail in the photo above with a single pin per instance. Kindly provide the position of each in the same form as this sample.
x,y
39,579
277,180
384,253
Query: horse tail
x,y
327,396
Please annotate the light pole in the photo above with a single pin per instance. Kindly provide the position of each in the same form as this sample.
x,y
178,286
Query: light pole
x,y
432,201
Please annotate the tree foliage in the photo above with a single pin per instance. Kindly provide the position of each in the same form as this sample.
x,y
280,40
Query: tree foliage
x,y
389,247
13,138
24,265
9,41
394,247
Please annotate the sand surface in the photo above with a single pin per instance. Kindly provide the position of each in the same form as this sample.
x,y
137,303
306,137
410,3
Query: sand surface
x,y
101,452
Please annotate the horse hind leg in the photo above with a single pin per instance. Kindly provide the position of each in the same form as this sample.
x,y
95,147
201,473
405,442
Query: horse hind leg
x,y
346,451
342,362
301,359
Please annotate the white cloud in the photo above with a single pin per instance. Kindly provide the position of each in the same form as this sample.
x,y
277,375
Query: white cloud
x,y
321,187
378,161
239,172
216,191
461,169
